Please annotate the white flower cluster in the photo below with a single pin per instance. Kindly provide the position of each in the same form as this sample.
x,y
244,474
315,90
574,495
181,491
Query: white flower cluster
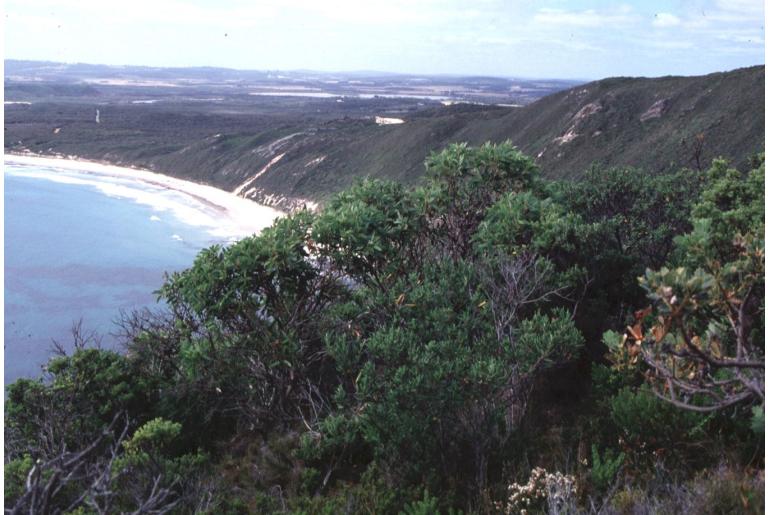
x,y
556,491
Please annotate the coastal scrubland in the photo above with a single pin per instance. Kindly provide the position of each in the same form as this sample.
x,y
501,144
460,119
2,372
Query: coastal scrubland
x,y
487,340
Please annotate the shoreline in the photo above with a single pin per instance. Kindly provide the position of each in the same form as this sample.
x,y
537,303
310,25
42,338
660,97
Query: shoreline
x,y
245,216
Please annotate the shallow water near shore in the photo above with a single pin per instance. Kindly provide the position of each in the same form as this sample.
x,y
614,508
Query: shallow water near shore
x,y
84,246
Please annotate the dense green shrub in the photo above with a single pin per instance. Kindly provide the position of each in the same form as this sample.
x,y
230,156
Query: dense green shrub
x,y
461,182
731,204
252,322
371,495
704,346
604,470
85,392
370,231
640,214
633,218
428,505
401,342
14,477
426,390
652,429
152,460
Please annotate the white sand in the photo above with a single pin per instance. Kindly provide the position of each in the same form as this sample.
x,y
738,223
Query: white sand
x,y
222,213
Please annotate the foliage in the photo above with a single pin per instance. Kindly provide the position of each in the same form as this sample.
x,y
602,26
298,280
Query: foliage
x,y
605,470
85,392
151,463
420,371
545,340
705,348
645,423
719,490
640,215
523,224
462,182
523,220
428,505
731,204
630,221
434,381
251,339
371,496
152,438
369,230
606,381
406,341
230,290
14,477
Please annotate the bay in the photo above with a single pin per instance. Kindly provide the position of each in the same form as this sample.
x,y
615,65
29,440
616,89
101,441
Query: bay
x,y
81,246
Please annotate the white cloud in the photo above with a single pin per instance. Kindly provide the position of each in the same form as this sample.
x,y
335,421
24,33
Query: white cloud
x,y
669,44
751,8
589,18
728,12
666,20
425,12
31,22
749,38
165,12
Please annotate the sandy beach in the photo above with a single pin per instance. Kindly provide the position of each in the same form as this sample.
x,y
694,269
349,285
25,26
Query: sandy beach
x,y
233,217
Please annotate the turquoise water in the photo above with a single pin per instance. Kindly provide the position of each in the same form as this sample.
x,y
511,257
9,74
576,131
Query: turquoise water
x,y
80,246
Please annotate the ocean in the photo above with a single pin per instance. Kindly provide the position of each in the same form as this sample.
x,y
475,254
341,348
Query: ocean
x,y
82,247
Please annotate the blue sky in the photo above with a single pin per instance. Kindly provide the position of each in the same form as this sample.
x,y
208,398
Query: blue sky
x,y
546,38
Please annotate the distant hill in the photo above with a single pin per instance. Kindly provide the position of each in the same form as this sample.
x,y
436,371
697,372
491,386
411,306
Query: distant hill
x,y
655,124
227,81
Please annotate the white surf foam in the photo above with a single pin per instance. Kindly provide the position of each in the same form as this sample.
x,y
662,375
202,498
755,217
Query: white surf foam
x,y
220,213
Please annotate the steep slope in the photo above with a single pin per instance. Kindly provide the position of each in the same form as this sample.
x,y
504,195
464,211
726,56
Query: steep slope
x,y
655,124
649,123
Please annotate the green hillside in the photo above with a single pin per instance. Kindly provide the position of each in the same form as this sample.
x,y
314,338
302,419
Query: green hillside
x,y
649,123
285,151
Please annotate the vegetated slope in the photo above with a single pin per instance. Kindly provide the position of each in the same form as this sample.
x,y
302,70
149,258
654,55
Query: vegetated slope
x,y
655,124
648,123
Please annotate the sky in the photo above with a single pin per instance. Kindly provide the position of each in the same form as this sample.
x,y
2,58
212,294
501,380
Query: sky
x,y
580,39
